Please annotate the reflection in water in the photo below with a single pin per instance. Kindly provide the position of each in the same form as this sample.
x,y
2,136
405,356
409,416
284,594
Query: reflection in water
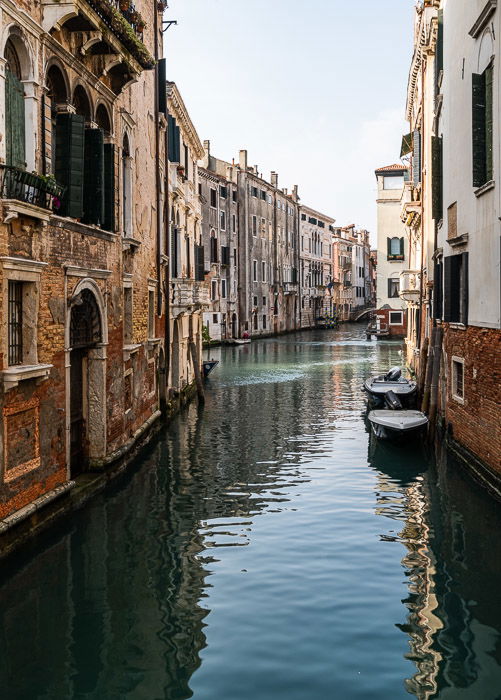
x,y
257,553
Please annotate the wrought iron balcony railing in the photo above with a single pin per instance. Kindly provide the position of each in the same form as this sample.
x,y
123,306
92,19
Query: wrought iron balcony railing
x,y
30,188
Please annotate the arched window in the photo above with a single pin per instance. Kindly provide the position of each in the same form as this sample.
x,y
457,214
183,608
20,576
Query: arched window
x,y
103,119
15,129
56,95
126,187
81,103
85,321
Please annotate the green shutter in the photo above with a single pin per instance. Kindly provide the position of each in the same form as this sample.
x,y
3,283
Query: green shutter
x,y
440,42
109,187
388,247
177,145
416,157
402,246
452,288
161,86
70,162
436,177
464,289
15,131
478,130
171,126
93,188
488,124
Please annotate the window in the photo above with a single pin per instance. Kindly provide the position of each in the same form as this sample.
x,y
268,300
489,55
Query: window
x,y
213,197
225,255
303,217
223,192
222,215
151,313
254,265
255,302
393,288
482,127
263,195
312,220
455,291
269,199
254,225
396,318
15,323
234,223
263,227
264,321
393,182
458,379
263,271
395,248
215,318
254,191
235,257
264,301
213,248
213,290
234,195
127,328
255,322
223,289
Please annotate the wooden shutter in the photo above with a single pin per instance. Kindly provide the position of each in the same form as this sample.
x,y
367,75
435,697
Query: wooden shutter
x,y
464,288
436,177
437,291
15,130
161,86
388,247
93,188
488,124
440,43
402,246
452,288
478,130
70,162
109,187
171,125
177,145
416,157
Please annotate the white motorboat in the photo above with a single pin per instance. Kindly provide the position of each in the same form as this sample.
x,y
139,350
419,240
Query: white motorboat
x,y
377,387
388,424
239,341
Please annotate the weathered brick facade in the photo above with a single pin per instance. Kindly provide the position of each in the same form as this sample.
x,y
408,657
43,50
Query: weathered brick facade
x,y
81,371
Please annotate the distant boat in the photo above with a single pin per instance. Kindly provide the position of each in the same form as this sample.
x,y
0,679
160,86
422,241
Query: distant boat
x,y
377,387
238,341
388,424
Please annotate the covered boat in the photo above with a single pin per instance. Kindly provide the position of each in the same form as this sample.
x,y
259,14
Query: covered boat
x,y
391,424
378,387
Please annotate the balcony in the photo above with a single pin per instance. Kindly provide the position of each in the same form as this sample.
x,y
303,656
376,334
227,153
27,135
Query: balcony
x,y
36,192
181,295
106,28
201,294
290,287
410,285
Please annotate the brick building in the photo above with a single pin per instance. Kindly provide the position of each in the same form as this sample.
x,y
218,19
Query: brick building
x,y
82,264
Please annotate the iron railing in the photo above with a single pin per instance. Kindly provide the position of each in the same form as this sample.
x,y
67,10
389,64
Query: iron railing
x,y
30,188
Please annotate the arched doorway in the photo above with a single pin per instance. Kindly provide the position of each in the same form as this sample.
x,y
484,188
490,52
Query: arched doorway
x,y
85,335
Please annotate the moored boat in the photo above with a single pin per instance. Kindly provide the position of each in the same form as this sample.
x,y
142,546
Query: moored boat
x,y
390,424
377,387
208,366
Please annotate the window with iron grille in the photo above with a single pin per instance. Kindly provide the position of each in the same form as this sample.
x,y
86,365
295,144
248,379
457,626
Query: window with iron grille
x,y
15,322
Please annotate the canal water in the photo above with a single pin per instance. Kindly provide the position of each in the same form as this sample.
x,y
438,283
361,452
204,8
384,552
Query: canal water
x,y
265,548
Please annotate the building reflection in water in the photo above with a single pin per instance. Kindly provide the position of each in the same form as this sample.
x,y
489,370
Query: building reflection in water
x,y
453,568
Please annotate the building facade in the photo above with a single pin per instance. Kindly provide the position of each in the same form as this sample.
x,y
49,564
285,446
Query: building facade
x,y
316,272
81,240
392,251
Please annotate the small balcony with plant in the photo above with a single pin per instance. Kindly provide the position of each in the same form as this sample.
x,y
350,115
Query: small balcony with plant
x,y
19,187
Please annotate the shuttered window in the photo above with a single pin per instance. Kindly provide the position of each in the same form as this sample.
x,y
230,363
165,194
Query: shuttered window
x,y
93,187
416,157
174,140
199,263
482,127
70,162
109,187
437,177
455,292
15,131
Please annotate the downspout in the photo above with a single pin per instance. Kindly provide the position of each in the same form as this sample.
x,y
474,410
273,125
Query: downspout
x,y
157,164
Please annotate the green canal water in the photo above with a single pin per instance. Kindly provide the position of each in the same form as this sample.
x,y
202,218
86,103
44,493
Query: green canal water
x,y
265,548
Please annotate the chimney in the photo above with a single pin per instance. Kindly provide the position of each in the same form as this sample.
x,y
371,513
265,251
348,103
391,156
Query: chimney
x,y
295,193
206,160
243,161
274,179
256,171
285,191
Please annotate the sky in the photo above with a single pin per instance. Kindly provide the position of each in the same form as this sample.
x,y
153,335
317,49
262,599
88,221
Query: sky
x,y
314,90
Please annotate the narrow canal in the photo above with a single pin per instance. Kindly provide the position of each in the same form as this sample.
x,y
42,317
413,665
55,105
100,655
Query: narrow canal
x,y
266,549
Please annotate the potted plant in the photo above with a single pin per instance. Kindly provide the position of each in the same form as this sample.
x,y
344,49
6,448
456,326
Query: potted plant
x,y
124,5
140,24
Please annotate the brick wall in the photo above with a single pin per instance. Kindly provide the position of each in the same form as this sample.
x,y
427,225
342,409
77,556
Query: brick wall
x,y
475,422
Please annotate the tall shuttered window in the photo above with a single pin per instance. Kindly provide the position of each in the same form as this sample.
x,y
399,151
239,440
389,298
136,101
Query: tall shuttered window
x,y
93,184
455,290
15,323
482,115
69,168
15,130
436,177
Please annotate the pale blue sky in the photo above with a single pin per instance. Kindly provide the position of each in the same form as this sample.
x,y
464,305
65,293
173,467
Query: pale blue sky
x,y
314,90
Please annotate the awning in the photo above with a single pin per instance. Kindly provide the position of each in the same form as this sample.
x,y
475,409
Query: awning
x,y
406,145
